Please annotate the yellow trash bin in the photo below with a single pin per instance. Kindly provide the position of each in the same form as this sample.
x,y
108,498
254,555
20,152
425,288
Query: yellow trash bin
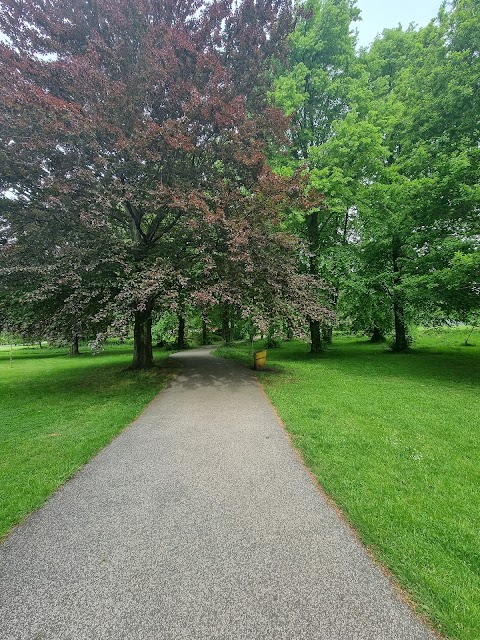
x,y
259,360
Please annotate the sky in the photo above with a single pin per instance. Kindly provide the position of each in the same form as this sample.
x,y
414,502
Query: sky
x,y
378,15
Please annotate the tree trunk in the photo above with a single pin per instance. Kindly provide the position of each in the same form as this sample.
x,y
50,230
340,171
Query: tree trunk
x,y
74,350
327,329
226,329
142,335
377,335
181,332
315,336
271,341
204,332
401,340
328,334
313,240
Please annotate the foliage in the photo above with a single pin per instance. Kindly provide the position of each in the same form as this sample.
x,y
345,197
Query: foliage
x,y
381,134
421,213
133,167
341,149
134,173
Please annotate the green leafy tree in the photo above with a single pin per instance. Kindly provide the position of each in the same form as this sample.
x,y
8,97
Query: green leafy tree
x,y
427,193
319,90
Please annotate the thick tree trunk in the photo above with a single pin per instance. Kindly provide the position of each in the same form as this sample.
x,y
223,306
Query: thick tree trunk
x,y
74,350
401,339
204,332
181,332
142,334
226,328
315,337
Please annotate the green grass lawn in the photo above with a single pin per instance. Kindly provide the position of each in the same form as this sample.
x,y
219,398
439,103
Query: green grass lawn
x,y
395,440
56,412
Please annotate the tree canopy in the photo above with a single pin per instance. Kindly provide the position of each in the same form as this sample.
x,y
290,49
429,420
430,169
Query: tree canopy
x,y
390,135
160,155
133,166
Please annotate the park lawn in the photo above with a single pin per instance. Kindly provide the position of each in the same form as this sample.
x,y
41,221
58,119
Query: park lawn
x,y
394,439
57,411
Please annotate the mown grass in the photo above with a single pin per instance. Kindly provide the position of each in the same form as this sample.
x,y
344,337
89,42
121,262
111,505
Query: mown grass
x,y
395,440
56,412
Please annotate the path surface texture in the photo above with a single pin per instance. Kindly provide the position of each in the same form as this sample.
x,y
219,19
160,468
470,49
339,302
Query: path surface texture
x,y
197,522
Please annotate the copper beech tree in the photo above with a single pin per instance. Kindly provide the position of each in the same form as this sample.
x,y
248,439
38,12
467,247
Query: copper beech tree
x,y
133,163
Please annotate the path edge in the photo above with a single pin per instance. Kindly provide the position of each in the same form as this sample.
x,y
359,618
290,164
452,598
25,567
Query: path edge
x,y
172,377
400,591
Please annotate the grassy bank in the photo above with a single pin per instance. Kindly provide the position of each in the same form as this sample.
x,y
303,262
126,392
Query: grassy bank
x,y
395,440
56,412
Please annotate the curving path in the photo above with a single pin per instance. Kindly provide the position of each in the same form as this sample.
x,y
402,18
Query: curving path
x,y
197,522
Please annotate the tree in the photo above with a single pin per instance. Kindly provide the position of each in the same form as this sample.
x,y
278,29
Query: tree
x,y
424,204
63,295
320,90
139,129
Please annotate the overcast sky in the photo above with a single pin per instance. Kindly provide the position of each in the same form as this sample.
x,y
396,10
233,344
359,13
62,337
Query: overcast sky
x,y
378,15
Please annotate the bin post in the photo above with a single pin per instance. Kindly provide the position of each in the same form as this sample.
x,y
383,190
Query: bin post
x,y
259,360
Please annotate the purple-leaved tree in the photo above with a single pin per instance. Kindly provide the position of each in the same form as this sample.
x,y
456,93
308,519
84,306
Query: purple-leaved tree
x,y
133,165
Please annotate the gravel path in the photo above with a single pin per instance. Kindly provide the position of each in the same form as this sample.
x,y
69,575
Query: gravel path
x,y
197,522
